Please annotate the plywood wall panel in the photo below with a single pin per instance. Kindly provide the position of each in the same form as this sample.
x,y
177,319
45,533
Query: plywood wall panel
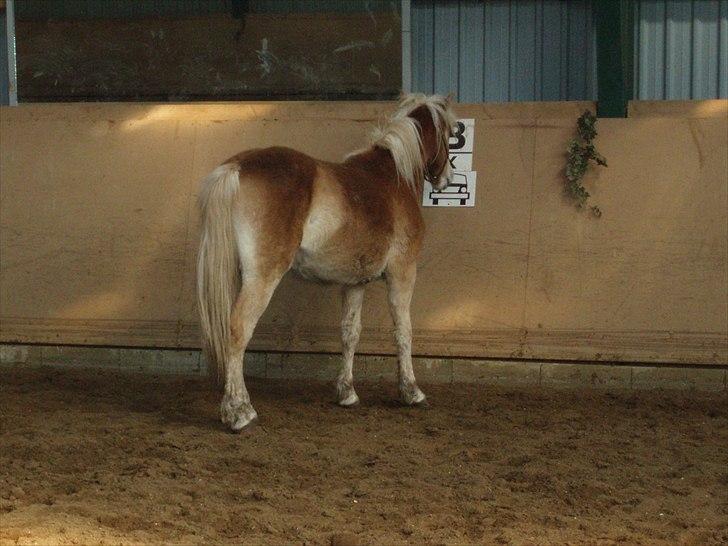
x,y
83,232
656,260
99,233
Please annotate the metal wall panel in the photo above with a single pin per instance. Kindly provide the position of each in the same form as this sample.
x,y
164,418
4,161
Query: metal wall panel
x,y
496,52
504,50
650,50
681,49
678,38
522,65
423,60
447,47
516,50
4,82
705,49
471,59
723,51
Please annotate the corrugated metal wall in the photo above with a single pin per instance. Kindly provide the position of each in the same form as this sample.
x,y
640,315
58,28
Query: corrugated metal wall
x,y
4,91
681,49
504,50
516,50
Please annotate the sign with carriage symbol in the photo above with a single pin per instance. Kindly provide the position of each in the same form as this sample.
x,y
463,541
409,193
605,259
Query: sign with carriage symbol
x,y
461,191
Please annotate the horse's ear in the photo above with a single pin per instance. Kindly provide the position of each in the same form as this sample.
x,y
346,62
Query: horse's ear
x,y
449,99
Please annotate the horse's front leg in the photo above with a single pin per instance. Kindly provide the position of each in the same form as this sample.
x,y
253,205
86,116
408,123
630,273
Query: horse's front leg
x,y
400,286
352,297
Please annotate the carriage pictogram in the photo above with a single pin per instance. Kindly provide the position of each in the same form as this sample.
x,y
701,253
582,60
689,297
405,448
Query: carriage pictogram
x,y
457,190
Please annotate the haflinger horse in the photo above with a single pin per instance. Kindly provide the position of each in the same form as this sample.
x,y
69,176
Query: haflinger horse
x,y
266,211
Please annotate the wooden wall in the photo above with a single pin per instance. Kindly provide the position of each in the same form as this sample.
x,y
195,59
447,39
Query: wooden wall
x,y
99,232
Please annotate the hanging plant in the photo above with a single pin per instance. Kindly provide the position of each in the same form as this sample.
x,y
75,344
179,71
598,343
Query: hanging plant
x,y
580,152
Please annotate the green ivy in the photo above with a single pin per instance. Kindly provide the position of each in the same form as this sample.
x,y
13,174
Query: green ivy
x,y
580,152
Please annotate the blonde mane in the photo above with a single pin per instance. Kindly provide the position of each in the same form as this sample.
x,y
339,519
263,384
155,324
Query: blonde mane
x,y
401,136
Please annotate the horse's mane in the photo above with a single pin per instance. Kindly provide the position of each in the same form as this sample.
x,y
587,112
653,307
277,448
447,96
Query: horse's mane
x,y
401,136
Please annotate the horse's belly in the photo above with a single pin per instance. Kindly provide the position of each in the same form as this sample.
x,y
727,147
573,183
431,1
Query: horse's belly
x,y
338,245
338,267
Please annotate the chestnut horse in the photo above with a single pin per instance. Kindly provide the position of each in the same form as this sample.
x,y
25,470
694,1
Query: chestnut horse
x,y
266,211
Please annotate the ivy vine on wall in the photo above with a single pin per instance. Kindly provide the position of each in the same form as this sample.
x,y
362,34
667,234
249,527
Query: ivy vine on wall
x,y
580,152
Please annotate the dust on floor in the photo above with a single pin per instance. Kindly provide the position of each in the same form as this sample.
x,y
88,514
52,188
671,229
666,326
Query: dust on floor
x,y
94,457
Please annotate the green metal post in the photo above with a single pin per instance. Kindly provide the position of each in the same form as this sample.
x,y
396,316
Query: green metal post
x,y
614,21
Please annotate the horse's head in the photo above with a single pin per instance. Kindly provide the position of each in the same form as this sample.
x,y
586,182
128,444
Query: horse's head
x,y
436,121
417,136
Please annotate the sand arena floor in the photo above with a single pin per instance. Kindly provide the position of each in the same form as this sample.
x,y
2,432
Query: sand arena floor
x,y
91,457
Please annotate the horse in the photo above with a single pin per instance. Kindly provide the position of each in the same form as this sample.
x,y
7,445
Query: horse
x,y
267,211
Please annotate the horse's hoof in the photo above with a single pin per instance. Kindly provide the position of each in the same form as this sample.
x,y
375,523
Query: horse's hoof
x,y
423,404
351,401
237,415
346,395
240,426
413,397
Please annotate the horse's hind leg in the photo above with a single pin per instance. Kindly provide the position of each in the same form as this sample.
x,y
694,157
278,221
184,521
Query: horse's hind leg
x,y
400,285
350,330
236,410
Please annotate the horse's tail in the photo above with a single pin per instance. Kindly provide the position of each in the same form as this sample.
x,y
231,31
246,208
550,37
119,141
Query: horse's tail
x,y
218,270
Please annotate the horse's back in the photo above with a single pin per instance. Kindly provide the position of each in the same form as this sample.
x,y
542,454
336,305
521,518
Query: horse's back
x,y
277,165
330,221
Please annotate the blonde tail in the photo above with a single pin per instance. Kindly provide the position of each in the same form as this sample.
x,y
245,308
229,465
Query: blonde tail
x,y
218,269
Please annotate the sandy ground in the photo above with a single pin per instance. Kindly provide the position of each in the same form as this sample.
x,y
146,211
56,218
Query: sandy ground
x,y
92,458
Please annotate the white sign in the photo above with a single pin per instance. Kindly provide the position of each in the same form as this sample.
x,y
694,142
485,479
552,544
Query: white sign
x,y
461,145
461,162
461,191
461,141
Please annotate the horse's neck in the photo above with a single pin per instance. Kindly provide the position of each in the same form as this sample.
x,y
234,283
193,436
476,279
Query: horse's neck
x,y
380,163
